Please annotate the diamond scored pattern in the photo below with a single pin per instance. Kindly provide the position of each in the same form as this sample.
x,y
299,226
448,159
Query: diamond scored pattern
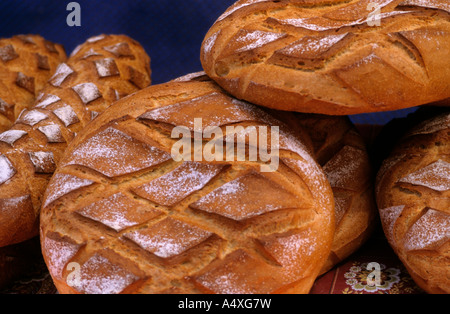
x,y
246,197
114,153
123,212
169,238
178,184
99,275
92,84
435,176
166,231
429,232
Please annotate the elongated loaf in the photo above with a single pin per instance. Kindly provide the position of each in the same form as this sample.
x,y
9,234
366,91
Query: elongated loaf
x,y
413,196
131,217
26,63
332,57
101,71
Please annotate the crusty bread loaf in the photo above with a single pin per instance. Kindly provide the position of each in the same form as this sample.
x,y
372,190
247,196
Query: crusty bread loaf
x,y
413,196
331,57
26,63
130,218
99,72
341,151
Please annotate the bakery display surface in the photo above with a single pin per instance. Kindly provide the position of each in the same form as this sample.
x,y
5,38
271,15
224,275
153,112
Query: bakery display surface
x,y
236,147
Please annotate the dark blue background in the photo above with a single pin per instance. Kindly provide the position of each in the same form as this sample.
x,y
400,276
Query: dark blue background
x,y
170,30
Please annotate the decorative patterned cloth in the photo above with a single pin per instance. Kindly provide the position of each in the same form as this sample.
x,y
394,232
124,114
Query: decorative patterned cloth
x,y
357,274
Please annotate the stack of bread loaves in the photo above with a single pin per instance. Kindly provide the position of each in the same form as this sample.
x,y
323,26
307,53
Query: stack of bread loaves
x,y
130,216
248,177
102,70
27,62
126,213
350,57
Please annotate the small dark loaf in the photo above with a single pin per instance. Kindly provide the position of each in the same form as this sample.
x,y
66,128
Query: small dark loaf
x,y
322,56
99,72
122,216
26,63
413,196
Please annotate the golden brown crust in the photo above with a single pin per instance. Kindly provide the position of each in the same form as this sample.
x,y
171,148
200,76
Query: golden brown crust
x,y
319,56
413,196
99,72
157,225
342,152
26,63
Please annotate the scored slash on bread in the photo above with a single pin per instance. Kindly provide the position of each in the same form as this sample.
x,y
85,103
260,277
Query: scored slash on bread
x,y
99,72
26,64
341,151
183,226
413,196
319,56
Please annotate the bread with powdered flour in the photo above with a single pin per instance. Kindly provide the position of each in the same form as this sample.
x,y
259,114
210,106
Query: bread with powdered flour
x,y
124,214
332,57
341,151
102,70
413,196
26,63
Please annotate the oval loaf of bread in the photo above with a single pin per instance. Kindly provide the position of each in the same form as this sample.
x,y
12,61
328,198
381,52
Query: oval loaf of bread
x,y
332,57
413,195
132,219
26,63
99,72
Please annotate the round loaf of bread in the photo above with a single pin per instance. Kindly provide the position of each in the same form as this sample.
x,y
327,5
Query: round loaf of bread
x,y
125,214
332,57
100,71
26,64
413,196
342,152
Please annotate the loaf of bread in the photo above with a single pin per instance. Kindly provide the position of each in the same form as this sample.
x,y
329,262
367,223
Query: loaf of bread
x,y
26,63
99,72
413,196
341,151
343,154
124,214
332,57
